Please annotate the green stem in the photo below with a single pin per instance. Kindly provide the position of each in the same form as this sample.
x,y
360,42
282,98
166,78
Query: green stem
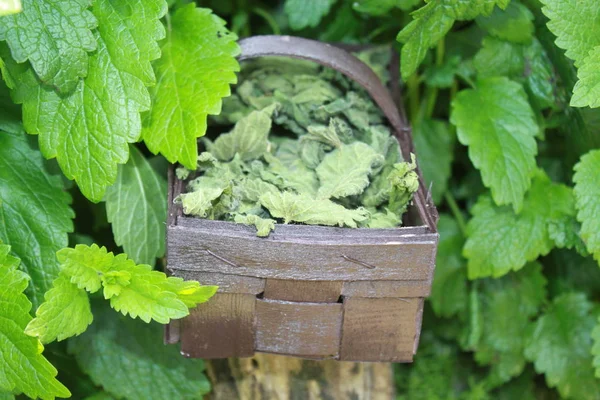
x,y
268,19
460,219
413,97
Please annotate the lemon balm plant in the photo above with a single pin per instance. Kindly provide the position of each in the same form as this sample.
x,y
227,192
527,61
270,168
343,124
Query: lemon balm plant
x,y
98,95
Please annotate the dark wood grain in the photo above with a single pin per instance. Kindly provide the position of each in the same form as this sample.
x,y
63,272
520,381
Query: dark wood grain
x,y
387,289
301,259
379,329
308,291
309,330
222,327
226,283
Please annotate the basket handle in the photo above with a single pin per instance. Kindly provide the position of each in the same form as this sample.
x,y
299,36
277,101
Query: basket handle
x,y
344,62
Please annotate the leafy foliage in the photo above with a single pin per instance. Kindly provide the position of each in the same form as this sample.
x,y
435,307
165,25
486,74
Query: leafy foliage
x,y
35,215
136,207
193,74
117,351
501,240
497,124
587,192
55,36
132,289
560,345
23,368
306,13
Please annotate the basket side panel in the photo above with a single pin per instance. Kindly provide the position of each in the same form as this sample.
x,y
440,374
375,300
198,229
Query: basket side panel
x,y
223,327
343,260
386,289
226,283
307,291
379,329
310,330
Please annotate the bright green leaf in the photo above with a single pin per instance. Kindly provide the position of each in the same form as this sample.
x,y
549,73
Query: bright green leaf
x,y
302,208
89,130
587,195
193,74
500,240
497,123
575,24
133,289
136,206
559,345
65,312
434,145
127,358
345,171
55,36
430,24
306,13
23,368
514,24
34,211
586,92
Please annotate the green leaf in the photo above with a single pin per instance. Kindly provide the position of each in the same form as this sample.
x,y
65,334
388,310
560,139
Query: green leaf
x,y
89,130
574,24
587,193
136,206
194,72
387,219
434,145
449,288
199,201
249,137
430,24
302,208
34,211
345,171
55,36
528,64
133,289
127,358
264,226
8,7
306,13
23,368
507,306
514,24
500,240
497,123
375,7
65,312
559,345
586,92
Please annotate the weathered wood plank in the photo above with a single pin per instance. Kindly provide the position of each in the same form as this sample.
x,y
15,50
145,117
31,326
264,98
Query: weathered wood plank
x,y
387,289
222,327
309,330
226,283
300,259
307,291
379,329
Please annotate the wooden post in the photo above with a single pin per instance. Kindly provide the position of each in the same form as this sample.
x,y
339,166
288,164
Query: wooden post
x,y
274,377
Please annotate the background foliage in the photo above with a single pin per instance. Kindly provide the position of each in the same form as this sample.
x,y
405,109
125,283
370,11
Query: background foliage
x,y
501,95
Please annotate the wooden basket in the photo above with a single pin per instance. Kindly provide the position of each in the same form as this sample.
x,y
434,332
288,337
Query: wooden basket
x,y
307,291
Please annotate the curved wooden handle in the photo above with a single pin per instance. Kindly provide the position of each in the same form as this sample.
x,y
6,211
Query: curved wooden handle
x,y
344,62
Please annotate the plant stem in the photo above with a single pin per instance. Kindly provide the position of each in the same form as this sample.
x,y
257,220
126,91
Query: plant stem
x,y
413,96
268,19
460,219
